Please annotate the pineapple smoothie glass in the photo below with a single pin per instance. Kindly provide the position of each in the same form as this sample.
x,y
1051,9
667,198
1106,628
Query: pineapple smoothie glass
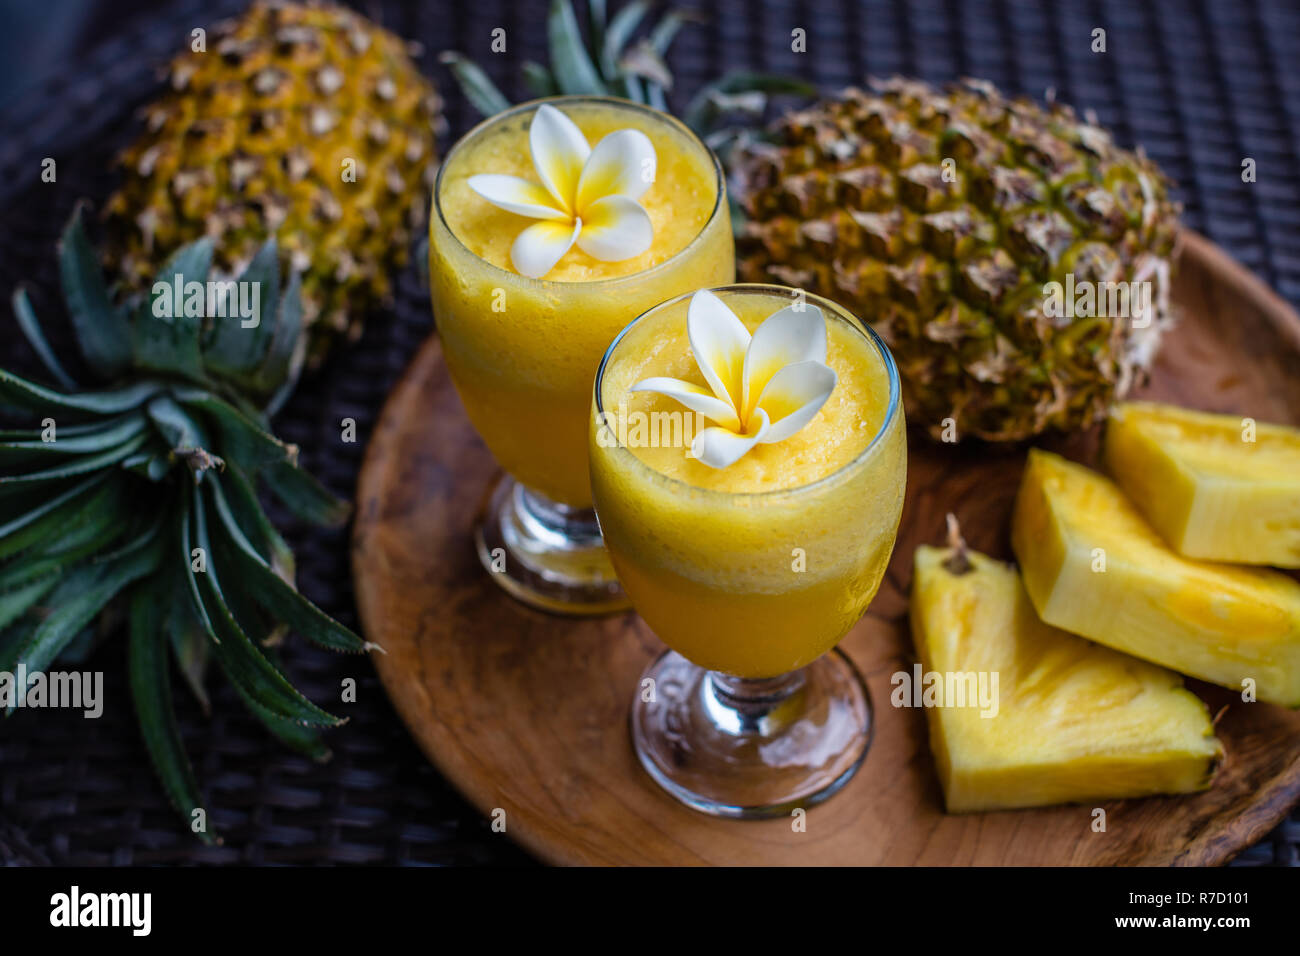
x,y
522,352
751,573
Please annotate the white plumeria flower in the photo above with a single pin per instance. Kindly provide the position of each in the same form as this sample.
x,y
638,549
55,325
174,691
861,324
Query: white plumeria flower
x,y
587,196
762,388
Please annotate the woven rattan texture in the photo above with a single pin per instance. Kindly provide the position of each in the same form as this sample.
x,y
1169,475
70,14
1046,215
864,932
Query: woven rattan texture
x,y
1201,86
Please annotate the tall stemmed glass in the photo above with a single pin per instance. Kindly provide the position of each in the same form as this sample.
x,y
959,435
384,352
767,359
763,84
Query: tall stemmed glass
x,y
752,712
522,352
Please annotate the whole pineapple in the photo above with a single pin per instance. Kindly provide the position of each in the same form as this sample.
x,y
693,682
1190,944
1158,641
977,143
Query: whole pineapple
x,y
938,216
300,120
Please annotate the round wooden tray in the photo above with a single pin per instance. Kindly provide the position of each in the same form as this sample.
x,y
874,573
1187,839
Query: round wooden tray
x,y
527,713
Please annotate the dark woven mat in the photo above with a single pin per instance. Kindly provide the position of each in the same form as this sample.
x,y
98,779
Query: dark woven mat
x,y
1199,85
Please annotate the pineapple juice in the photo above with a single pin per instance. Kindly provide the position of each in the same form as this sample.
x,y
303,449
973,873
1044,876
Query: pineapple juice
x,y
760,568
523,352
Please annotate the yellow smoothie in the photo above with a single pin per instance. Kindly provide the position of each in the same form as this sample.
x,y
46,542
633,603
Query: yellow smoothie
x,y
523,352
759,568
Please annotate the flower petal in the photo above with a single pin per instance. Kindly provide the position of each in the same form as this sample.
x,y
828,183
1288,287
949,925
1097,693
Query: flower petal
x,y
615,228
695,397
721,447
518,196
718,340
622,164
787,337
542,245
793,396
559,153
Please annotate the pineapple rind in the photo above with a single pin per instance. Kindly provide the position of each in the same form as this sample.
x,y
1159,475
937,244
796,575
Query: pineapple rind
x,y
1076,721
1221,623
939,215
301,120
1209,493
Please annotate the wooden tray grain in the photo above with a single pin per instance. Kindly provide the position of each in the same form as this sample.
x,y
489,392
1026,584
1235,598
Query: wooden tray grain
x,y
527,713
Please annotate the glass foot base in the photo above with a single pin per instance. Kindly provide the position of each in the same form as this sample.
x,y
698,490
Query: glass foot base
x,y
734,747
546,554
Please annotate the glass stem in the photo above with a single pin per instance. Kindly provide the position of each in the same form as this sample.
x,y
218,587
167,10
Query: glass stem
x,y
749,705
558,524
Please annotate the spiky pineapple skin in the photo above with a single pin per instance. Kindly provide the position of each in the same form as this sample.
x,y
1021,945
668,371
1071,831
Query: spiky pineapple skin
x,y
854,201
254,136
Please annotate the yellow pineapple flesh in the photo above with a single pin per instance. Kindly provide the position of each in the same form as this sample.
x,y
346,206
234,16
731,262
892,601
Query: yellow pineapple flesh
x,y
1093,566
1216,487
1075,721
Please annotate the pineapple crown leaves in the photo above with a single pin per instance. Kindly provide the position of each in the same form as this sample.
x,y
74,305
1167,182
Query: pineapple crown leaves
x,y
145,490
613,60
162,333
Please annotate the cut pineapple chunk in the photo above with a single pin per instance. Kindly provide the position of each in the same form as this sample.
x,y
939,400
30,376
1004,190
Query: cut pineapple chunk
x,y
1075,721
1093,566
1209,489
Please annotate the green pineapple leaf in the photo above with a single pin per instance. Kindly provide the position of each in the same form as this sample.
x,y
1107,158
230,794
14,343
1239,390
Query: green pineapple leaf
x,y
78,650
35,335
306,497
145,532
239,436
246,667
538,79
13,639
304,740
613,62
81,465
596,22
152,464
262,630
19,393
642,61
97,529
16,600
34,524
724,95
278,375
174,425
231,349
84,534
21,575
256,526
190,648
252,674
575,74
617,37
164,335
103,334
271,591
188,555
64,431
112,434
475,84
151,692
665,31
76,601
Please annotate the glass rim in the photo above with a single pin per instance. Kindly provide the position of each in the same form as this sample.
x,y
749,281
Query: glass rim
x,y
531,105
863,328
